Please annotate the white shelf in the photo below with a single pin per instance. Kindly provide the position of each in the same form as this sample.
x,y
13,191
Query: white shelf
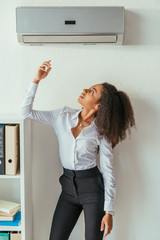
x,y
18,176
17,188
10,228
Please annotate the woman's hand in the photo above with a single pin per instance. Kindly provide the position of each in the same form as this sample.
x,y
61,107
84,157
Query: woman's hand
x,y
42,73
108,221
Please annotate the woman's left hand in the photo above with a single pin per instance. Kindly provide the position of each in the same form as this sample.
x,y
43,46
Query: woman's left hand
x,y
108,221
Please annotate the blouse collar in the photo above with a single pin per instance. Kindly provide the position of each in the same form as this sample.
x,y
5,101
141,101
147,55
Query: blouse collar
x,y
75,116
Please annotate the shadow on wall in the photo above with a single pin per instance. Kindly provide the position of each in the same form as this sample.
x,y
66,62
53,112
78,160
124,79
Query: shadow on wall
x,y
141,27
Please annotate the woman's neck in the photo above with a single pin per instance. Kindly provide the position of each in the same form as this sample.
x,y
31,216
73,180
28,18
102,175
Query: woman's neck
x,y
87,115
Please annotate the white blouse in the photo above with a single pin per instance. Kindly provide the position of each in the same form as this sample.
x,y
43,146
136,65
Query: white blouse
x,y
81,152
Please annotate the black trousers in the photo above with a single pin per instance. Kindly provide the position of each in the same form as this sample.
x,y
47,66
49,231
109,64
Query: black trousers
x,y
81,190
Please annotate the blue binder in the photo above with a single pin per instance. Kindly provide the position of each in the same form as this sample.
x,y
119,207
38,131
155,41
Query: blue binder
x,y
15,222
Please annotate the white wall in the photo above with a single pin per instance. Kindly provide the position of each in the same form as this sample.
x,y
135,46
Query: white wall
x,y
133,67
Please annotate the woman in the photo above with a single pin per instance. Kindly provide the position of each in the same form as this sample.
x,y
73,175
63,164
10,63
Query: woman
x,y
102,123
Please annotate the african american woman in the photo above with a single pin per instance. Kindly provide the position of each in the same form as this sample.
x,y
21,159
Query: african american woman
x,y
98,127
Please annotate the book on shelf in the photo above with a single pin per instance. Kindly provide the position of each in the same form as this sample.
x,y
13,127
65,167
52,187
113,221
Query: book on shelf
x,y
16,221
9,207
7,216
9,149
10,214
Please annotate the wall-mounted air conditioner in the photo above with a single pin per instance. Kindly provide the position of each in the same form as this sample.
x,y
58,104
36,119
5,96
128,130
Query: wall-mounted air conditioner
x,y
49,25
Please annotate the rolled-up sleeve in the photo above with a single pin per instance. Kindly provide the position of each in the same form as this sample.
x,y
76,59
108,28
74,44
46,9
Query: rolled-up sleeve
x,y
26,108
108,173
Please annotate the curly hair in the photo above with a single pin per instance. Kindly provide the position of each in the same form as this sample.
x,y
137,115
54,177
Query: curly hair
x,y
115,114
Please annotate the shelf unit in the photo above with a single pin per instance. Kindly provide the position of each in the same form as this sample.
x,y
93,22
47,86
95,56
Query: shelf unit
x,y
18,188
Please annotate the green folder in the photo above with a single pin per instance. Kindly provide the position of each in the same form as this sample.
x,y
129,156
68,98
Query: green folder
x,y
4,236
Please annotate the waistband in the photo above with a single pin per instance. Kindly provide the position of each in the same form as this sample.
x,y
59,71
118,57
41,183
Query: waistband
x,y
82,173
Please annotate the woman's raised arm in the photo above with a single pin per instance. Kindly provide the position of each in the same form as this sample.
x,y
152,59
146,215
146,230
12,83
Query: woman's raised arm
x,y
26,111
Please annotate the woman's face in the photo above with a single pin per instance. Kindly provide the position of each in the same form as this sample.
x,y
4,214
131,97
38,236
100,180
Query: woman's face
x,y
89,97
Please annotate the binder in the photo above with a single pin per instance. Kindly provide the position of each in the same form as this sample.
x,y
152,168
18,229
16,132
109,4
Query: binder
x,y
11,149
15,236
2,149
4,236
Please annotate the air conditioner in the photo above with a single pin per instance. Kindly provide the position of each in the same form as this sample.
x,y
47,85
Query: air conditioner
x,y
49,25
